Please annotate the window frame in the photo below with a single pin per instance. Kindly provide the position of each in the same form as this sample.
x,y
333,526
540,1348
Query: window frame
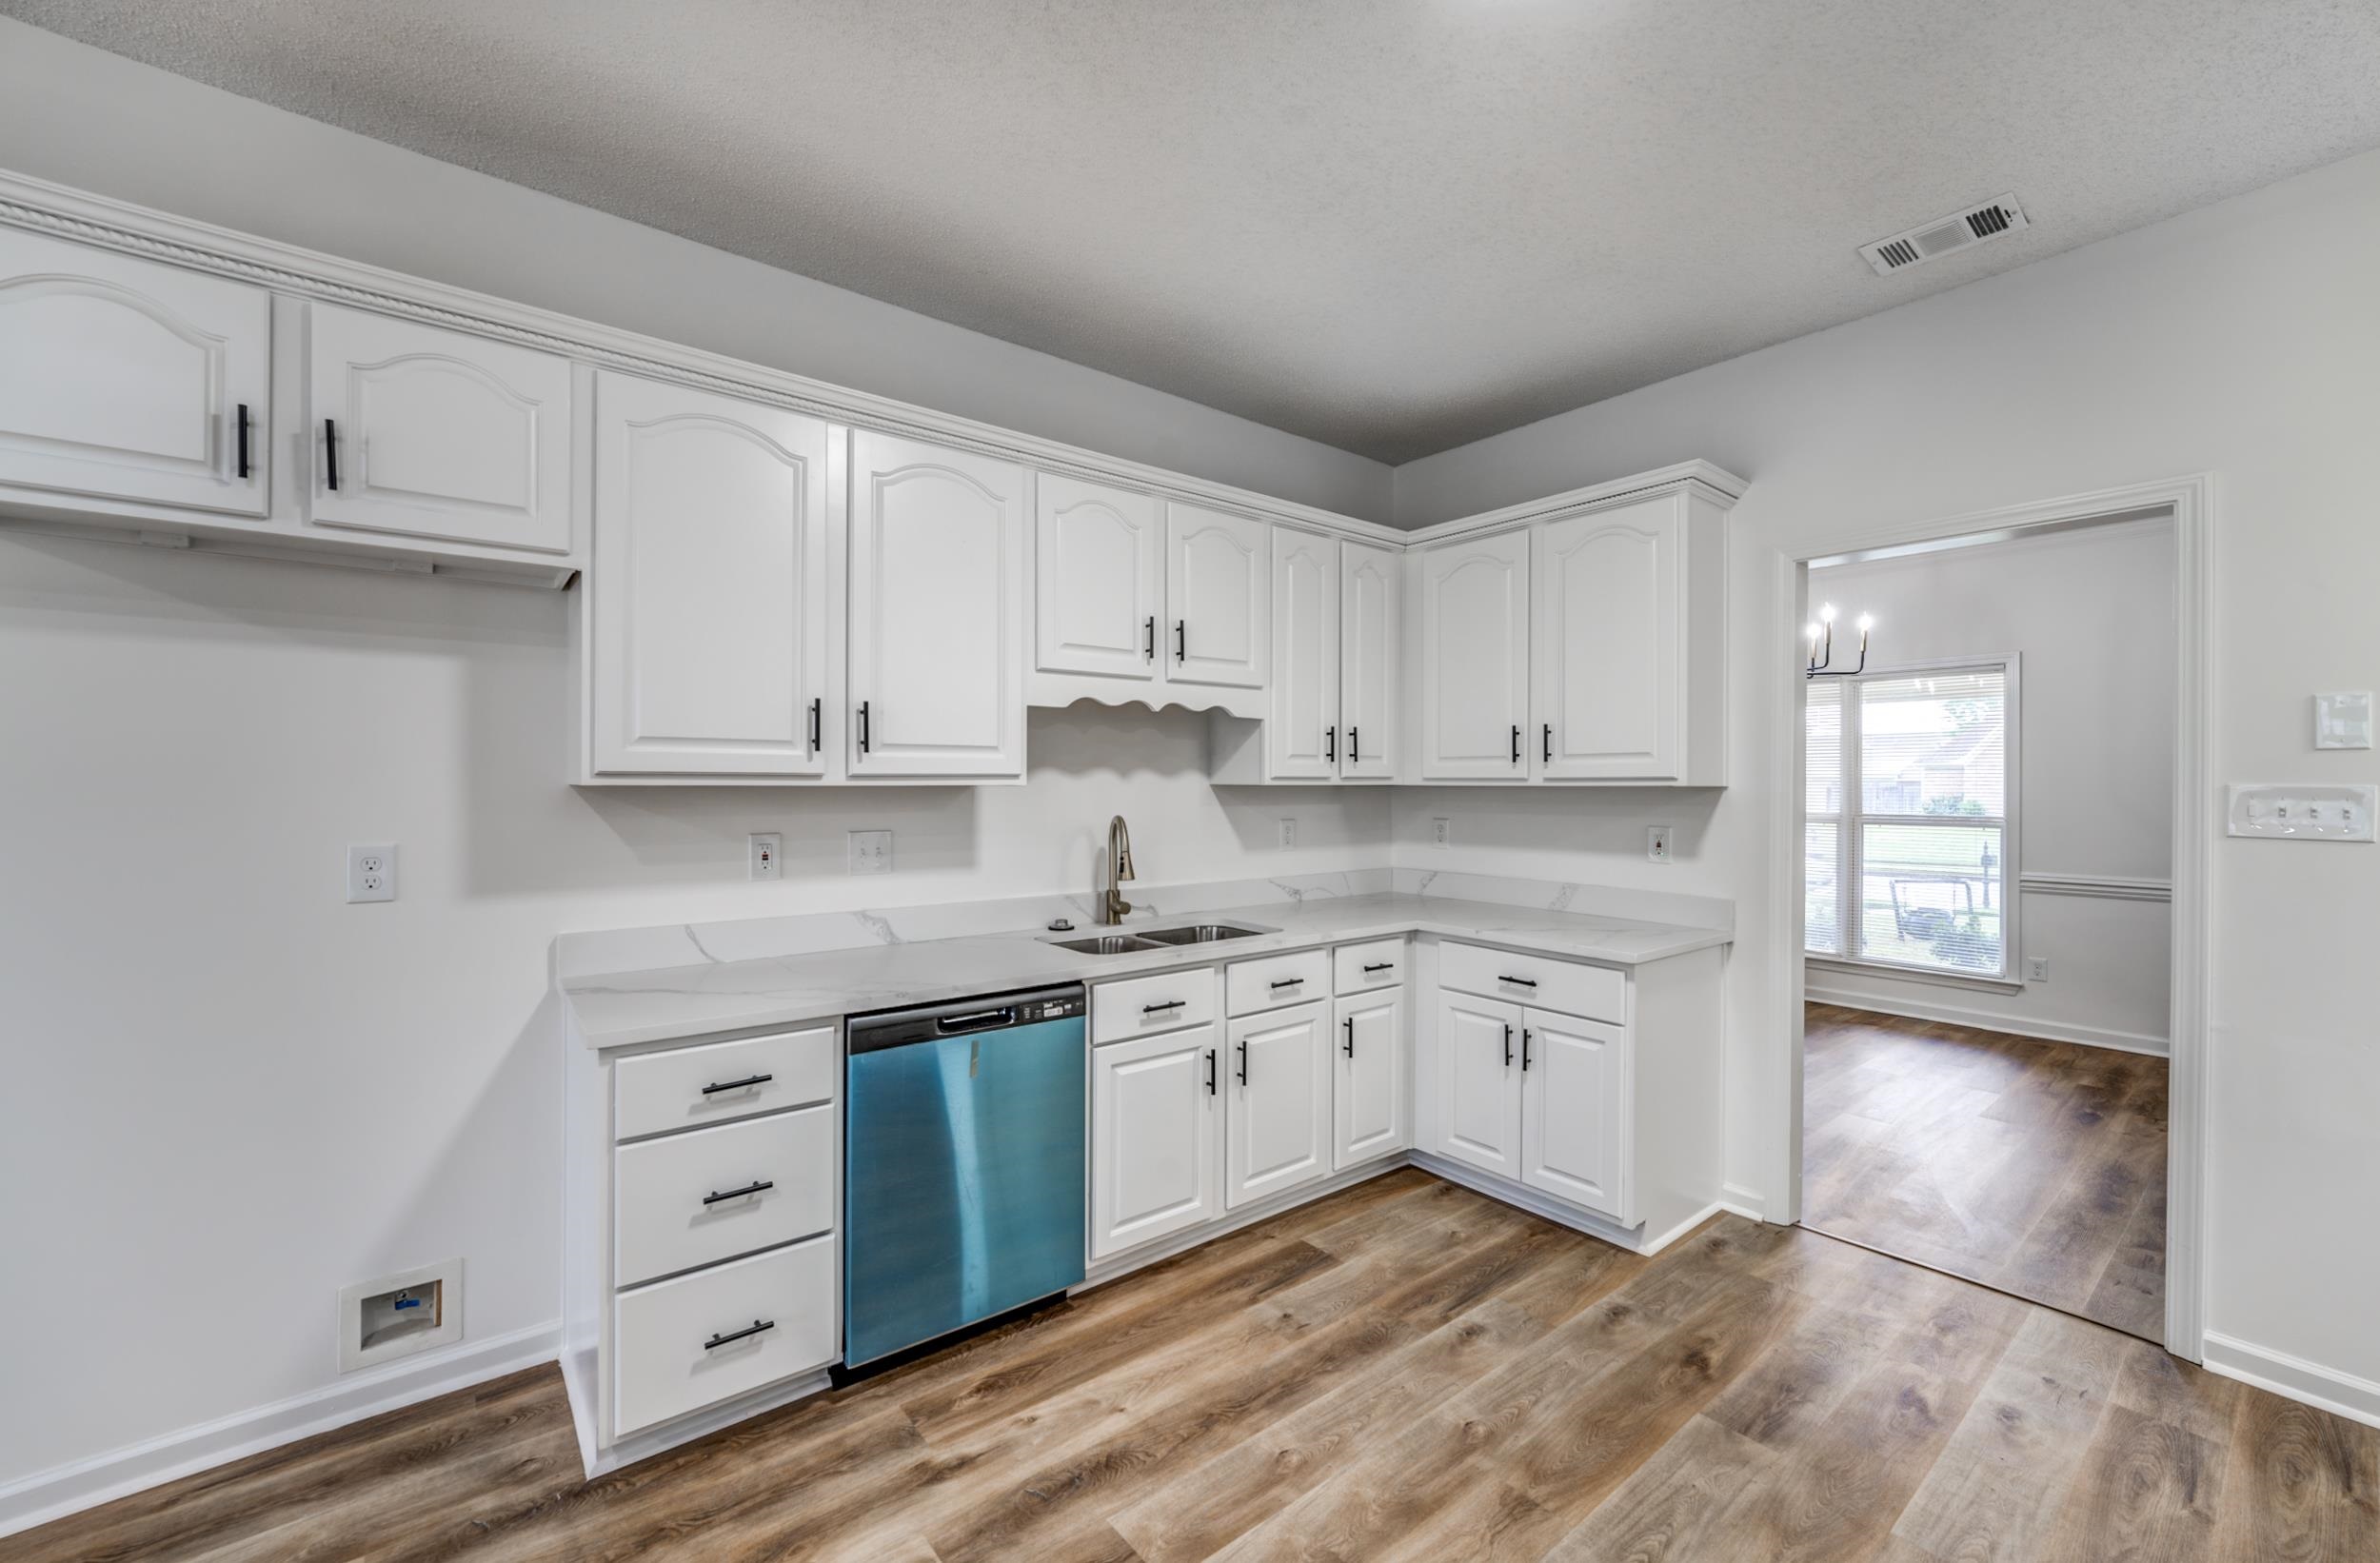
x,y
1851,821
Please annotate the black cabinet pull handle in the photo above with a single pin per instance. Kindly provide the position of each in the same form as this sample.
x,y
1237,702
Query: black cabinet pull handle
x,y
758,1325
240,423
1244,1063
1148,639
1355,750
1549,743
1181,640
1508,1046
1160,1009
1349,1046
1516,744
816,711
863,733
1330,745
1286,982
1524,1050
760,1186
1519,982
1380,966
716,1086
1210,1071
331,453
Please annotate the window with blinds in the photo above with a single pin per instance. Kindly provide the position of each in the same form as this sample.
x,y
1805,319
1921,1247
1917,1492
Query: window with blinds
x,y
1906,842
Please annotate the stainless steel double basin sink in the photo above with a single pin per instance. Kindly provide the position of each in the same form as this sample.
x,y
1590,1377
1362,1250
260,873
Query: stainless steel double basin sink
x,y
1157,939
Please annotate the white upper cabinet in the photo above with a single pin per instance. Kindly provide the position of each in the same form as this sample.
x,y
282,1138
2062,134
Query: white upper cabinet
x,y
431,433
1218,576
1606,663
1279,1115
937,611
1473,658
1302,737
1098,579
123,380
1371,649
707,620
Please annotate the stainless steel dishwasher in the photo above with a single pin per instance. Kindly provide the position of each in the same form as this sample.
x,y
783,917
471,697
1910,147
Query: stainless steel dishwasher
x,y
964,1170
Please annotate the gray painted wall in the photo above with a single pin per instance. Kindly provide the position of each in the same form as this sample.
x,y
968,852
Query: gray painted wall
x,y
102,123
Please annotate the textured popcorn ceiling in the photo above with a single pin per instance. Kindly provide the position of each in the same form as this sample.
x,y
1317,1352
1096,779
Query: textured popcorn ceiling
x,y
1394,227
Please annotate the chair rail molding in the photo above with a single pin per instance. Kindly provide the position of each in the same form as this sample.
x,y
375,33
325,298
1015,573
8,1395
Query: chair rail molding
x,y
2097,886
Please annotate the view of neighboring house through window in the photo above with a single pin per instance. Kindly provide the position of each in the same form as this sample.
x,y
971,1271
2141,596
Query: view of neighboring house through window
x,y
1910,794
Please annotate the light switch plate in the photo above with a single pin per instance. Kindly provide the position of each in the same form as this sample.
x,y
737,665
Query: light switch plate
x,y
871,851
2303,811
2342,720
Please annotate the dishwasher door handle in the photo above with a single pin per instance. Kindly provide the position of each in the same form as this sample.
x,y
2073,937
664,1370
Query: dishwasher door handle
x,y
982,1020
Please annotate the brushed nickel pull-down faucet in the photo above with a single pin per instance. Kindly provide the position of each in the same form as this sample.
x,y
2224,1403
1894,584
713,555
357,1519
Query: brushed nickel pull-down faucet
x,y
1112,905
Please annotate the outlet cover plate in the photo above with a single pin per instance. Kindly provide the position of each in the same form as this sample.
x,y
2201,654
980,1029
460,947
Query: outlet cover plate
x,y
765,852
372,871
1657,843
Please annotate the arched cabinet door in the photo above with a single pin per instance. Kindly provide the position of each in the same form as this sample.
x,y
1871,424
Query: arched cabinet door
x,y
123,380
1474,699
709,591
1607,663
1099,570
1370,639
427,433
1305,740
1218,598
938,612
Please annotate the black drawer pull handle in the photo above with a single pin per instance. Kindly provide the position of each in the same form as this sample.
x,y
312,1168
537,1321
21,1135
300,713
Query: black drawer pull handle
x,y
242,426
1287,982
717,1086
1350,1024
1149,641
1519,982
1524,1050
1160,1009
331,453
1210,1071
1380,966
762,1186
758,1325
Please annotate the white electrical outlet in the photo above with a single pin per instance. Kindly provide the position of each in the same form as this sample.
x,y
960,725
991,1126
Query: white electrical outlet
x,y
1657,842
762,849
1289,832
2038,968
1441,831
871,851
372,871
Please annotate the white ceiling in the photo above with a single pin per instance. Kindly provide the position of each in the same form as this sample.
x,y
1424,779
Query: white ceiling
x,y
1391,225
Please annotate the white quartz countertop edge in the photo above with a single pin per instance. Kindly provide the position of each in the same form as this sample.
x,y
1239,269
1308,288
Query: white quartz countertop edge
x,y
623,1009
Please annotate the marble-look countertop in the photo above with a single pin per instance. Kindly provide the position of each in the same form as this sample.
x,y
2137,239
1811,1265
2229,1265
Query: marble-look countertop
x,y
642,1006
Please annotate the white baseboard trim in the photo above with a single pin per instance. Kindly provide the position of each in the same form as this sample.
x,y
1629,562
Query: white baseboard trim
x,y
1117,1266
701,1424
1634,1239
1751,1206
1983,1019
2357,1399
82,1484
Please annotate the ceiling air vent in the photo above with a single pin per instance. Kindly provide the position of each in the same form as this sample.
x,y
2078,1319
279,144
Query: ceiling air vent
x,y
1944,234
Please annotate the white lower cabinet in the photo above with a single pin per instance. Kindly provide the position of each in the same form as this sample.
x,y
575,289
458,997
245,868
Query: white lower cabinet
x,y
1279,1102
681,1345
1370,1115
1479,1087
1573,1095
1155,1111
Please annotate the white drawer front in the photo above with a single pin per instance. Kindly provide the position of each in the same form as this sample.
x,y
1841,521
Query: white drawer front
x,y
665,1367
1359,968
1596,993
1270,982
668,1215
1141,1006
688,1087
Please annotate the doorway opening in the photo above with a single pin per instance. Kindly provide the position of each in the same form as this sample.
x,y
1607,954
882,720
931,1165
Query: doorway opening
x,y
1989,830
